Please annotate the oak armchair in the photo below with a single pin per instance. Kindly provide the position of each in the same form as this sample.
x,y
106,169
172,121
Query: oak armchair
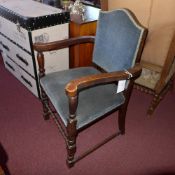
x,y
79,97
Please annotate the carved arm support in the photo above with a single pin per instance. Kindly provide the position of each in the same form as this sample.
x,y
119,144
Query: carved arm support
x,y
74,86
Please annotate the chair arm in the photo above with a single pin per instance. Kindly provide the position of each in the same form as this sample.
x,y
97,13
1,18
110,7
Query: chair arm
x,y
43,47
74,86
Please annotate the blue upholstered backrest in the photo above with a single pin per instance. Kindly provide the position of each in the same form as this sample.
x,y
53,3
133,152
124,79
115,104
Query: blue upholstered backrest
x,y
117,40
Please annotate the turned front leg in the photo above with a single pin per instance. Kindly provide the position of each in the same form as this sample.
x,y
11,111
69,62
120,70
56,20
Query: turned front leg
x,y
71,131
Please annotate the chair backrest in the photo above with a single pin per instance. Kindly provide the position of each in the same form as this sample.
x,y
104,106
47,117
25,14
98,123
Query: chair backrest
x,y
118,40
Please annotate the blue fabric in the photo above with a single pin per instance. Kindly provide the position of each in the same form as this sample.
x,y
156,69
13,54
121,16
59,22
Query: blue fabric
x,y
93,102
117,38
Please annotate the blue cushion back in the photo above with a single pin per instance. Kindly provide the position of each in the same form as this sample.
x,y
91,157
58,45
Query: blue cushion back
x,y
117,40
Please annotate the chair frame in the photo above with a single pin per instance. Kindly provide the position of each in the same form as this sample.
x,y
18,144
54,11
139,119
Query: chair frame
x,y
73,87
157,96
162,86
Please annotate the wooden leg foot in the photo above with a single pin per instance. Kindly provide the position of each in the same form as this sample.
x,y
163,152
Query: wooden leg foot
x,y
70,164
121,120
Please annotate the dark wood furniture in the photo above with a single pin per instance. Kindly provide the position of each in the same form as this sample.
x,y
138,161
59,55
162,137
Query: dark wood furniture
x,y
77,98
104,4
81,55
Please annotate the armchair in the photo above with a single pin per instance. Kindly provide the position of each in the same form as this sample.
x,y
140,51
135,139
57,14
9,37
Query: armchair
x,y
79,97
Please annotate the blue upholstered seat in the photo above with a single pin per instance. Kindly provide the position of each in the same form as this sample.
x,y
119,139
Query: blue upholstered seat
x,y
93,102
115,49
83,95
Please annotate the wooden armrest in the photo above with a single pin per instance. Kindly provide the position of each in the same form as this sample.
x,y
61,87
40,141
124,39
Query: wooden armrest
x,y
73,87
43,47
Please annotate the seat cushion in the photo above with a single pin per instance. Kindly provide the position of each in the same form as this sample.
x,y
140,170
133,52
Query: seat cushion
x,y
93,102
